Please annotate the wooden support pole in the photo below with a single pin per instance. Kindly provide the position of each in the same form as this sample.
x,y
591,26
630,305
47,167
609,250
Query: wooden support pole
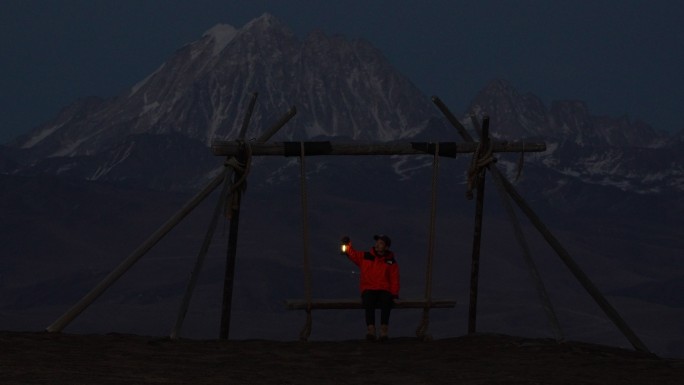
x,y
236,198
581,277
194,275
449,149
541,290
88,299
452,119
522,242
534,273
64,320
232,246
248,116
477,236
475,259
229,275
479,208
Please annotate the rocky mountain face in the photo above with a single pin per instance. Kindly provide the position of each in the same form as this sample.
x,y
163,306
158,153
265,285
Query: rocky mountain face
x,y
600,150
340,88
525,115
86,187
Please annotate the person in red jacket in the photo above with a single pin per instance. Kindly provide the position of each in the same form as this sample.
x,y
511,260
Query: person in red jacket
x,y
379,281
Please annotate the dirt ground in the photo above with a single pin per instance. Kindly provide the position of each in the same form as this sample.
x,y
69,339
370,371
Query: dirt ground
x,y
44,358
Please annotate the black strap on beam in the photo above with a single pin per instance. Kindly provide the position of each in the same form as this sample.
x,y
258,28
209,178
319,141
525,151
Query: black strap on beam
x,y
310,148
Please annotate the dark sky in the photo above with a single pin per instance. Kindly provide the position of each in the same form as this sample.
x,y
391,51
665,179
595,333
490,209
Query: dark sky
x,y
621,57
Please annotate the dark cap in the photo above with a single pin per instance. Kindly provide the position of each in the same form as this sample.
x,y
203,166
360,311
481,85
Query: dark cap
x,y
384,238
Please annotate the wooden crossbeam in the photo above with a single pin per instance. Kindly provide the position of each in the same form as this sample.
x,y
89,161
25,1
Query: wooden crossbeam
x,y
327,304
229,148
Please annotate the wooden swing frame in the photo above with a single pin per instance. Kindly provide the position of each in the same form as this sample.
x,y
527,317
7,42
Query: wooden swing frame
x,y
238,155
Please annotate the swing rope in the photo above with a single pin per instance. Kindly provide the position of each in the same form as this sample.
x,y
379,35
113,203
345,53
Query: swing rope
x,y
304,334
422,328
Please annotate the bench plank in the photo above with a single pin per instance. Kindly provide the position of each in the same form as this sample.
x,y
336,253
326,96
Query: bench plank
x,y
327,304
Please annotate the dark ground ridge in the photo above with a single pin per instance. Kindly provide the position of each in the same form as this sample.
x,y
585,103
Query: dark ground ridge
x,y
60,358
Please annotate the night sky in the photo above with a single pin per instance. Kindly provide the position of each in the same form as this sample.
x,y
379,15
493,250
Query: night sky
x,y
621,57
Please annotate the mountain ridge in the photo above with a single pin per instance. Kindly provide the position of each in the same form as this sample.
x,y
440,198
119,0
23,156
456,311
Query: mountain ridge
x,y
342,89
525,115
203,93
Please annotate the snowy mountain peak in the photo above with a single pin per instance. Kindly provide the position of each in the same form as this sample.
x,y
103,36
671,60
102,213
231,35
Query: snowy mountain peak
x,y
340,88
264,22
266,25
500,88
512,114
221,35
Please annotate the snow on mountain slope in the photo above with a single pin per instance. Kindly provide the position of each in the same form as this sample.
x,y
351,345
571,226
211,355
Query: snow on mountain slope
x,y
629,155
340,88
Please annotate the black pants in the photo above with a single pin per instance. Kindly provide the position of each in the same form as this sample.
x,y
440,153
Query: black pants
x,y
373,299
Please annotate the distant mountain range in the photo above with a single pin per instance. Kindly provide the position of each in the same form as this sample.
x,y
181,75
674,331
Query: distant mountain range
x,y
87,186
342,89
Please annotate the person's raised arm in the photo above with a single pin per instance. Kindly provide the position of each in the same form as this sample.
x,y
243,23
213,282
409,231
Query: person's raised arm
x,y
346,248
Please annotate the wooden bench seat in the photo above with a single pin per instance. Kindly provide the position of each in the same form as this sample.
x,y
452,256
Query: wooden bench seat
x,y
355,303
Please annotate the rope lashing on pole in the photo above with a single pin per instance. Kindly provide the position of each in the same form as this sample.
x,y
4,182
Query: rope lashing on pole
x,y
521,162
482,157
241,168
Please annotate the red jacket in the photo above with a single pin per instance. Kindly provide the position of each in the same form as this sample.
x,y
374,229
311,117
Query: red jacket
x,y
378,272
